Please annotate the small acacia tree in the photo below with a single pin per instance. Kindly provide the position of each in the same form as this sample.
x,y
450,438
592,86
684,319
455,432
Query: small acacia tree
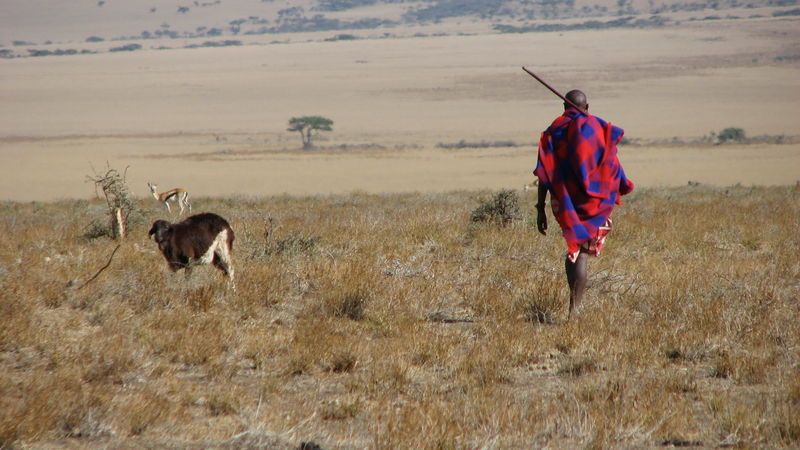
x,y
118,199
307,126
734,134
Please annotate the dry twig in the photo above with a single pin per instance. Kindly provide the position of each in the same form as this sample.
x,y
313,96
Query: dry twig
x,y
101,269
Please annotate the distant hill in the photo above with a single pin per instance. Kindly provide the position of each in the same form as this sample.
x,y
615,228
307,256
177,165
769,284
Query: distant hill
x,y
28,23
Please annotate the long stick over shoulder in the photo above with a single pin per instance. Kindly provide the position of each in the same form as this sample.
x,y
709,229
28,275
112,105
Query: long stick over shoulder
x,y
567,101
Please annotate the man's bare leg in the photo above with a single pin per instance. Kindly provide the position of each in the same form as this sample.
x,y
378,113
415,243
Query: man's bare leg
x,y
576,277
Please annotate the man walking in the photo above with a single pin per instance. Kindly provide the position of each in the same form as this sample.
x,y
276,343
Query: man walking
x,y
578,166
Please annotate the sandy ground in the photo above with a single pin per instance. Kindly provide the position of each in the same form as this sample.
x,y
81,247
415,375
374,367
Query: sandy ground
x,y
214,120
377,171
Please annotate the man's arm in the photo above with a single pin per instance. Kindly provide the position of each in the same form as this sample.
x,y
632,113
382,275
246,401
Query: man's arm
x,y
541,215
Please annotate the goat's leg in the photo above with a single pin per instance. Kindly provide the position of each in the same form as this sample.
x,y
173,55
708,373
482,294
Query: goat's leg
x,y
227,271
222,261
221,265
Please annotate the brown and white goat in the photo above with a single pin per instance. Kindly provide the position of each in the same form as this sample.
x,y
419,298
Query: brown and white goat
x,y
200,239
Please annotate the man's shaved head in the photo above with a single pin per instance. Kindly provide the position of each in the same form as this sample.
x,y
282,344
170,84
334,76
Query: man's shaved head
x,y
578,98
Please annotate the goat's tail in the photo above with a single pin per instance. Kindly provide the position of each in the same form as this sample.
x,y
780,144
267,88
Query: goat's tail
x,y
225,256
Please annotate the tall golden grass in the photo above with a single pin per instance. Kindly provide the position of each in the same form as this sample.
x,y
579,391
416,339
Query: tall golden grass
x,y
393,321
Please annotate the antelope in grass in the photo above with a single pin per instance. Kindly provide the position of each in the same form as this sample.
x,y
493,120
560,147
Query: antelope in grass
x,y
178,195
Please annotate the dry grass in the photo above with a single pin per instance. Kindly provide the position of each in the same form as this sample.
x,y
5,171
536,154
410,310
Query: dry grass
x,y
393,321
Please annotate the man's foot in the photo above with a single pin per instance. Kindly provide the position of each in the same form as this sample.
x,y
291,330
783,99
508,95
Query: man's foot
x,y
574,312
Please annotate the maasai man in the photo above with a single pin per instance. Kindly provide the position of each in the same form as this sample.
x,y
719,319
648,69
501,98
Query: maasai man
x,y
578,165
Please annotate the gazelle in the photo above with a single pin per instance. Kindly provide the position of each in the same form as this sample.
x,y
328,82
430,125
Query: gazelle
x,y
178,195
532,185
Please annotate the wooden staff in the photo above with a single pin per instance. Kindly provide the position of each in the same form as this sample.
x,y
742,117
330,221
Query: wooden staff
x,y
567,101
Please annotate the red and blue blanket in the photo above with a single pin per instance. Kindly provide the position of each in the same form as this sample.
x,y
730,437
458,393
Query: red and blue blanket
x,y
578,165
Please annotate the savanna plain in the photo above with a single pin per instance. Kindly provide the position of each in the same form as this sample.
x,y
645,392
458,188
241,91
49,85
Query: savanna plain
x,y
395,321
385,296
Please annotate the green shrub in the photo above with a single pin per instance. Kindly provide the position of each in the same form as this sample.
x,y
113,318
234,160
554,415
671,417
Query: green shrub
x,y
346,303
342,37
790,12
501,209
126,48
731,134
480,144
98,228
292,244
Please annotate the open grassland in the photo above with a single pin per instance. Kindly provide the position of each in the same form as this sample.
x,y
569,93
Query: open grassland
x,y
393,321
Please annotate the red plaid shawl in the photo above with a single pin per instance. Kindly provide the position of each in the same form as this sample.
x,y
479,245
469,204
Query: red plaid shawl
x,y
578,164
